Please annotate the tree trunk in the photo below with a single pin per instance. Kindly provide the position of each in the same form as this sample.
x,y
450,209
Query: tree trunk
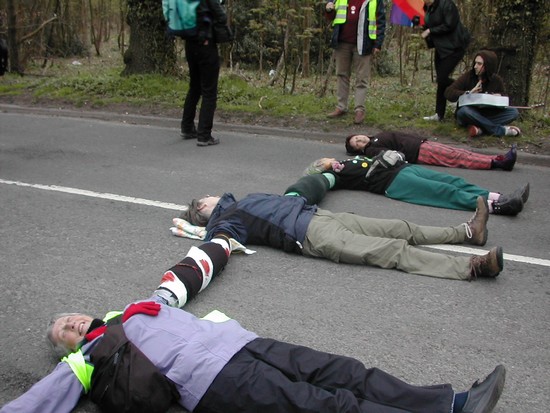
x,y
149,50
514,36
13,47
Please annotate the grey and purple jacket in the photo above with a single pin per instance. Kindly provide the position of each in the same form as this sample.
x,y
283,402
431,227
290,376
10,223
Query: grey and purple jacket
x,y
189,351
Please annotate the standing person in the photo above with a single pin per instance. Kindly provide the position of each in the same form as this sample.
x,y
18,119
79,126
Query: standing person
x,y
444,31
420,150
203,60
358,34
482,78
217,366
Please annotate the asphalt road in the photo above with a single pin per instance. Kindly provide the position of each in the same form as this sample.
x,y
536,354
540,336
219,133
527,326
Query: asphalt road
x,y
69,250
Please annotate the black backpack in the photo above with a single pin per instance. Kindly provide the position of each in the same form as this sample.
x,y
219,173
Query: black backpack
x,y
124,380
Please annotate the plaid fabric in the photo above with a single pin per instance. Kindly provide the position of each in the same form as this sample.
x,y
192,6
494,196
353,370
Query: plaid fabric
x,y
433,153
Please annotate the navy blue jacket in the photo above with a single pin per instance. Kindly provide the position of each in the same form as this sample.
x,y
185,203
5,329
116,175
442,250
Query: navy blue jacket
x,y
262,219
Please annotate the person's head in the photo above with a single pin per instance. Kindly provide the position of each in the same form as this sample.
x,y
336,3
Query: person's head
x,y
479,65
485,64
356,144
66,331
319,166
198,212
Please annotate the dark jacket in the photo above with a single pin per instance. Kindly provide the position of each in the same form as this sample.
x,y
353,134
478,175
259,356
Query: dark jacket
x,y
368,44
406,143
262,219
353,175
209,14
447,33
491,82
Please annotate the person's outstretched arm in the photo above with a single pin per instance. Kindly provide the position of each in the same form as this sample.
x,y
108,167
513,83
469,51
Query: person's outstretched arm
x,y
312,187
58,392
194,273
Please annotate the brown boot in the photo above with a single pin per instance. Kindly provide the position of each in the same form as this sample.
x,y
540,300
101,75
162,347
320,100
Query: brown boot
x,y
336,113
487,266
359,117
476,227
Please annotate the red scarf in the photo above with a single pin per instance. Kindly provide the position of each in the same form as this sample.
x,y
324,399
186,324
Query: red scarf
x,y
145,307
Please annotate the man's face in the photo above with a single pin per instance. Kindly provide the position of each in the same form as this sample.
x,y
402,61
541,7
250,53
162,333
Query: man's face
x,y
70,330
209,201
359,142
479,65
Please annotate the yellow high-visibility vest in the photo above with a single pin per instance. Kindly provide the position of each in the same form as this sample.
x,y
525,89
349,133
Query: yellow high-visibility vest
x,y
341,7
83,370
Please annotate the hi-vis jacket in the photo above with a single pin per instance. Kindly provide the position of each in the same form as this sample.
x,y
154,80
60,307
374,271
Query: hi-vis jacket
x,y
371,28
189,351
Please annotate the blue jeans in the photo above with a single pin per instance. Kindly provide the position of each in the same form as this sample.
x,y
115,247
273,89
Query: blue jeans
x,y
490,120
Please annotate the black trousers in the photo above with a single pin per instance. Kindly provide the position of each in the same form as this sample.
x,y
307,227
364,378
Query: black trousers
x,y
269,376
204,69
444,67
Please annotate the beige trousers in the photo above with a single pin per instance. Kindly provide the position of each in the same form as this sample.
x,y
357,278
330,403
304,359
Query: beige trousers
x,y
386,243
347,58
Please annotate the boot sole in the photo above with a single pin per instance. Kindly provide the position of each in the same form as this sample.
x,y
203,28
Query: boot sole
x,y
208,143
500,260
483,204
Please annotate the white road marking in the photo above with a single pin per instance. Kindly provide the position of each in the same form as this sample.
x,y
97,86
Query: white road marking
x,y
176,207
103,195
509,257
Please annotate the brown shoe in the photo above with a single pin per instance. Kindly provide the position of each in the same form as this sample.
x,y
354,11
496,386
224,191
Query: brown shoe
x,y
359,117
476,227
336,113
487,266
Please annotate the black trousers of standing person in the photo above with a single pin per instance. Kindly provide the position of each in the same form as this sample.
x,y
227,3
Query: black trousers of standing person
x,y
270,376
443,69
204,69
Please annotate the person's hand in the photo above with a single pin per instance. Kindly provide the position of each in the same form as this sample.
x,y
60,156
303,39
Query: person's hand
x,y
477,88
145,307
326,163
425,33
329,6
375,51
337,166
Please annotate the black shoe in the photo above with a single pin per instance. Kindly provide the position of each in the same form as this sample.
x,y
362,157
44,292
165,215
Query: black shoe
x,y
189,135
483,397
523,192
506,162
209,142
508,205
